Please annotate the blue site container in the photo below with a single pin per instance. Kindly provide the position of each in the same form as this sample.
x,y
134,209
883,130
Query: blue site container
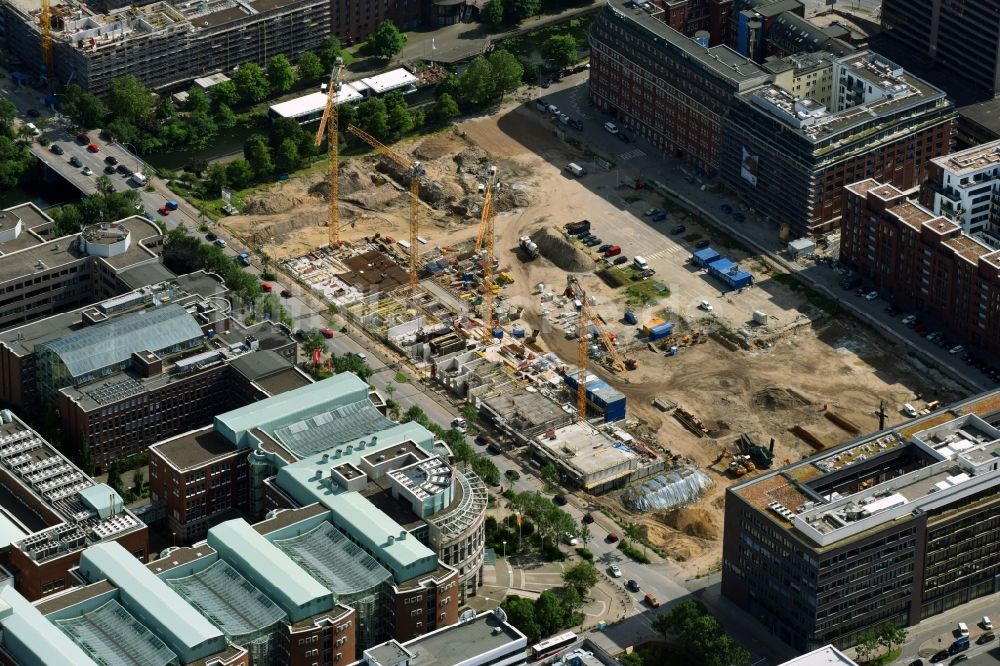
x,y
498,333
518,331
630,318
661,331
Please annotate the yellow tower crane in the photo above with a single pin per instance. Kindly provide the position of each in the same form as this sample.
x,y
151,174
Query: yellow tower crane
x,y
328,124
45,18
415,171
487,233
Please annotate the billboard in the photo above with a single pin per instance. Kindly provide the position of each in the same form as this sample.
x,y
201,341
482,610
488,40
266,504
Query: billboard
x,y
748,167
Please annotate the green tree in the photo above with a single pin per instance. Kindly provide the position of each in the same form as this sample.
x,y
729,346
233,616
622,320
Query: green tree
x,y
705,641
104,184
314,342
215,179
445,109
867,644
582,577
386,41
522,9
287,159
661,625
476,84
351,363
226,93
138,481
549,473
549,613
239,173
197,101
251,83
85,109
257,154
470,413
560,50
115,477
310,67
201,130
165,109
129,100
630,659
493,12
329,51
373,118
890,635
348,115
400,119
521,613
507,72
280,74
585,535
571,599
224,117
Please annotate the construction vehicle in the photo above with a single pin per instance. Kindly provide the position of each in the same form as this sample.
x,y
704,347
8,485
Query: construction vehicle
x,y
741,464
415,170
736,468
528,247
328,125
761,457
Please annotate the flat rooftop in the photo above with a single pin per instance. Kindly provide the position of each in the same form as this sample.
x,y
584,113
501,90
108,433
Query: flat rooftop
x,y
461,642
722,61
195,448
30,217
824,656
971,160
586,448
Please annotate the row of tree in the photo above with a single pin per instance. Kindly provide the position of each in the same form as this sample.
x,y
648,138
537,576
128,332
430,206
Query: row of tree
x,y
496,12
888,636
460,449
553,610
185,253
15,158
702,639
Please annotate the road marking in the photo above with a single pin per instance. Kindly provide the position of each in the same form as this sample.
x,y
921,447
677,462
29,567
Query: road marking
x,y
631,154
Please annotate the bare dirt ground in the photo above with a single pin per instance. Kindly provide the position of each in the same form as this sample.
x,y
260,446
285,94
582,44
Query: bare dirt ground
x,y
821,366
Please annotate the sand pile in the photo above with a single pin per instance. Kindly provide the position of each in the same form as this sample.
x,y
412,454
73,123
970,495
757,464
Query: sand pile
x,y
774,398
272,203
558,250
692,521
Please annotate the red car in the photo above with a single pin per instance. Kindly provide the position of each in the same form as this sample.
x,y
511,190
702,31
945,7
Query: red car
x,y
285,293
93,148
265,287
327,332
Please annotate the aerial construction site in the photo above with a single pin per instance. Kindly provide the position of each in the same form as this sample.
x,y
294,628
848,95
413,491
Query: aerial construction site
x,y
686,382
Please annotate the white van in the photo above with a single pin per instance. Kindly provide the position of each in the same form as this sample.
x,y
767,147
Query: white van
x,y
575,169
641,263
909,410
963,630
34,129
139,179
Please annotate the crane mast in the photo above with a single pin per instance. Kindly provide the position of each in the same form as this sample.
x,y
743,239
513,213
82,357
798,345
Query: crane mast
x,y
328,124
45,18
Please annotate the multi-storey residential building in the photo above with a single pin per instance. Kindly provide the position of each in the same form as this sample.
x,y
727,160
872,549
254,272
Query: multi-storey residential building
x,y
897,526
785,136
791,146
964,187
51,511
923,262
963,38
41,275
388,491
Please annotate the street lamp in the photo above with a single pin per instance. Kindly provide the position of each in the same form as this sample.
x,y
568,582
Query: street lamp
x,y
134,153
505,550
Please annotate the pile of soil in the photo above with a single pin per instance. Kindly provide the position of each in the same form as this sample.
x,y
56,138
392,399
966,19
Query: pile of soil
x,y
558,250
473,160
436,146
351,180
693,522
774,398
271,203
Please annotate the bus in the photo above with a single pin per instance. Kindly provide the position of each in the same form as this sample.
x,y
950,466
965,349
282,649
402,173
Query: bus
x,y
552,645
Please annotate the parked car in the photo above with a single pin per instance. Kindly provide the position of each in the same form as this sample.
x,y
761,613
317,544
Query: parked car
x,y
871,295
615,571
285,293
87,171
266,287
604,248
83,139
76,161
111,159
218,241
612,537
326,332
611,127
631,585
909,320
124,170
588,518
57,149
650,212
702,244
162,210
560,500
705,305
108,169
892,310
93,148
620,260
986,623
679,229
986,638
659,217
210,236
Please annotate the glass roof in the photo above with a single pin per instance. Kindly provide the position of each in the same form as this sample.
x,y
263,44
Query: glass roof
x,y
334,560
112,637
326,430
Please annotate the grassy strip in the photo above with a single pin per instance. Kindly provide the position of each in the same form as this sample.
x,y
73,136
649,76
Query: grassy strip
x,y
633,553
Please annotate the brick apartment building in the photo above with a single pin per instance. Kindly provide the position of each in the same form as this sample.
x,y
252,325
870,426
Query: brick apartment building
x,y
785,135
52,511
897,526
41,275
922,262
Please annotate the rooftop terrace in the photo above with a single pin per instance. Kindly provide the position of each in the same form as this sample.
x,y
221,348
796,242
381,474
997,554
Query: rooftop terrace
x,y
971,160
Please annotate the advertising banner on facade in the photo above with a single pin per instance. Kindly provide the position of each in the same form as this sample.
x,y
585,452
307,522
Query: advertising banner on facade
x,y
748,167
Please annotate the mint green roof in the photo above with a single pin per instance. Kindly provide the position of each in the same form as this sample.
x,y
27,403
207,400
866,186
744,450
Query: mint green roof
x,y
271,570
185,631
102,499
289,407
32,640
354,514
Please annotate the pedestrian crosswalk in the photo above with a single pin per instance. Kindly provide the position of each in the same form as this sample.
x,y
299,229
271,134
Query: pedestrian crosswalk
x,y
631,154
669,251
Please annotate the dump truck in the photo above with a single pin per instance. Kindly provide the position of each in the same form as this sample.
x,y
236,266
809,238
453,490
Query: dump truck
x,y
528,247
575,227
